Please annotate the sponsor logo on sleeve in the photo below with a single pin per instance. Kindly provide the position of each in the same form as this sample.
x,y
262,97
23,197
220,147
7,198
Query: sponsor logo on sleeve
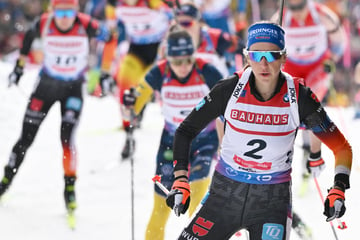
x,y
200,105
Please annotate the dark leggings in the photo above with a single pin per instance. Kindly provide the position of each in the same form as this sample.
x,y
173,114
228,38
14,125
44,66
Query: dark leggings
x,y
47,92
262,209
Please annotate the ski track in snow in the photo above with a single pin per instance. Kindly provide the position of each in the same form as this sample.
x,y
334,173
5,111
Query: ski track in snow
x,y
33,208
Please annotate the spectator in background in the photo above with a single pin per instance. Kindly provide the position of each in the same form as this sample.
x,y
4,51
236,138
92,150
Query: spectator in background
x,y
15,18
32,9
12,24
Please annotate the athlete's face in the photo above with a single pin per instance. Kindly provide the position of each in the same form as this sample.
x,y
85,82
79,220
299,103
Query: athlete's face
x,y
267,63
182,65
64,15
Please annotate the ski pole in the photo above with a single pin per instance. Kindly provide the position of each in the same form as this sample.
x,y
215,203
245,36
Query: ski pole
x,y
157,181
178,207
341,225
322,200
20,90
132,186
282,2
132,150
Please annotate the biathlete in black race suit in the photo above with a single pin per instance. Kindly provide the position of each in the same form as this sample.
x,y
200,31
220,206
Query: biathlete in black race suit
x,y
65,34
263,108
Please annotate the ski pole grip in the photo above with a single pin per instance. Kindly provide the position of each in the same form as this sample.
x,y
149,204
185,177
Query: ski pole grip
x,y
178,207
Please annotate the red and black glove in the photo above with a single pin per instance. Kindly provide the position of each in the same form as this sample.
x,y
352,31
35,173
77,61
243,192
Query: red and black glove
x,y
179,197
335,203
315,166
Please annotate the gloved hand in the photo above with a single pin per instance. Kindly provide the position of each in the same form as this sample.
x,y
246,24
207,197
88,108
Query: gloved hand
x,y
129,97
315,166
329,66
179,197
106,83
16,74
334,206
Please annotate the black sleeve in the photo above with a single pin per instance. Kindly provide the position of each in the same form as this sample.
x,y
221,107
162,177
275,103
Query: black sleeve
x,y
224,43
92,29
30,35
310,110
212,106
211,75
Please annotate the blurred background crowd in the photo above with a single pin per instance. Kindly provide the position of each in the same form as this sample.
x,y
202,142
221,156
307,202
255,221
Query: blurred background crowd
x,y
17,15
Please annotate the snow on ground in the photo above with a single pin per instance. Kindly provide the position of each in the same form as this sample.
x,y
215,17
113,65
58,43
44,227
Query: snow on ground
x,y
33,208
